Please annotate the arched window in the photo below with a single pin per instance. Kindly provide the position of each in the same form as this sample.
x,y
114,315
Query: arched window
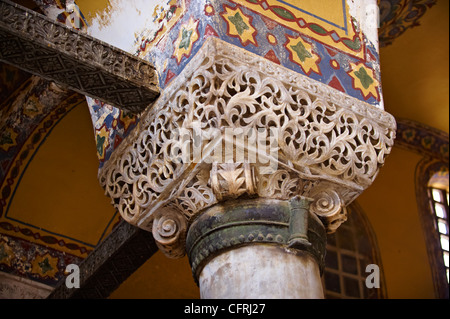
x,y
349,251
432,188
438,196
431,184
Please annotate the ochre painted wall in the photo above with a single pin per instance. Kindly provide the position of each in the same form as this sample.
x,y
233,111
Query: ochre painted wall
x,y
160,278
59,191
391,207
415,70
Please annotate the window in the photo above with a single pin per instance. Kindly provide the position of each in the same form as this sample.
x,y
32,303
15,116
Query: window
x,y
349,251
438,196
432,188
432,145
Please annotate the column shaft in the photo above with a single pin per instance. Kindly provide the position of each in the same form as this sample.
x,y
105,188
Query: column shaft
x,y
261,271
245,249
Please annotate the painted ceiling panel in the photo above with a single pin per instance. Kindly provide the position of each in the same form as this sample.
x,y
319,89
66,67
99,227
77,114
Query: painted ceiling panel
x,y
58,190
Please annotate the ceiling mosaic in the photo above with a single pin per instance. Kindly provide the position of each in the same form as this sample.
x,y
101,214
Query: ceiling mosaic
x,y
28,247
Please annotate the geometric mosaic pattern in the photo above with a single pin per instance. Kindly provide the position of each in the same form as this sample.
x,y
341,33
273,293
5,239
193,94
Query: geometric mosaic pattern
x,y
422,139
277,32
37,262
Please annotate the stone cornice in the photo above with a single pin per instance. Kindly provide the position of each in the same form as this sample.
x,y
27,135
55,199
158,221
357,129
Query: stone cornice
x,y
36,44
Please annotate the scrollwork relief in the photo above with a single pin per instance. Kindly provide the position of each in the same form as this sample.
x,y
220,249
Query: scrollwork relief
x,y
328,206
328,145
169,230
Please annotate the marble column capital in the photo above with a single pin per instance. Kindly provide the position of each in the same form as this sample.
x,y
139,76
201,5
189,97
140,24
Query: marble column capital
x,y
203,142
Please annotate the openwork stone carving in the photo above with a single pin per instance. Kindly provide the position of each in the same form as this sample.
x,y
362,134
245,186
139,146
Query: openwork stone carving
x,y
37,44
328,146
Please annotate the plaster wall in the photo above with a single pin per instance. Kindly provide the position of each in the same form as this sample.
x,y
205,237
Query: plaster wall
x,y
391,207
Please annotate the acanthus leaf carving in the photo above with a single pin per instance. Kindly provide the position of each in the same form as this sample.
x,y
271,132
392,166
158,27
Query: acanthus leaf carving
x,y
231,180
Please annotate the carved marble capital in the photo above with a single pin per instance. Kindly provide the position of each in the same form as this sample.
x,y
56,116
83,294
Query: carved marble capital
x,y
188,154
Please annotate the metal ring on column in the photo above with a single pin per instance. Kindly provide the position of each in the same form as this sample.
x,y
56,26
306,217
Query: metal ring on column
x,y
237,223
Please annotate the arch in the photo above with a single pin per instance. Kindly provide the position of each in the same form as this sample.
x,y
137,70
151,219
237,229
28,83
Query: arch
x,y
425,171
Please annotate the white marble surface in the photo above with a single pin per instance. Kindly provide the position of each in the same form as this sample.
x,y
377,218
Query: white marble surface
x,y
261,272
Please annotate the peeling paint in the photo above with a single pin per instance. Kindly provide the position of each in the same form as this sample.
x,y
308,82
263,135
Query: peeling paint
x,y
366,15
115,27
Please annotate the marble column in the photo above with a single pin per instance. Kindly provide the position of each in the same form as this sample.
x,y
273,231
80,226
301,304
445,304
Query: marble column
x,y
168,178
245,163
261,272
258,248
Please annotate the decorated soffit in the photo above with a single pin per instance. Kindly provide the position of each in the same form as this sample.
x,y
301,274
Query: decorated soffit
x,y
32,243
397,16
422,139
